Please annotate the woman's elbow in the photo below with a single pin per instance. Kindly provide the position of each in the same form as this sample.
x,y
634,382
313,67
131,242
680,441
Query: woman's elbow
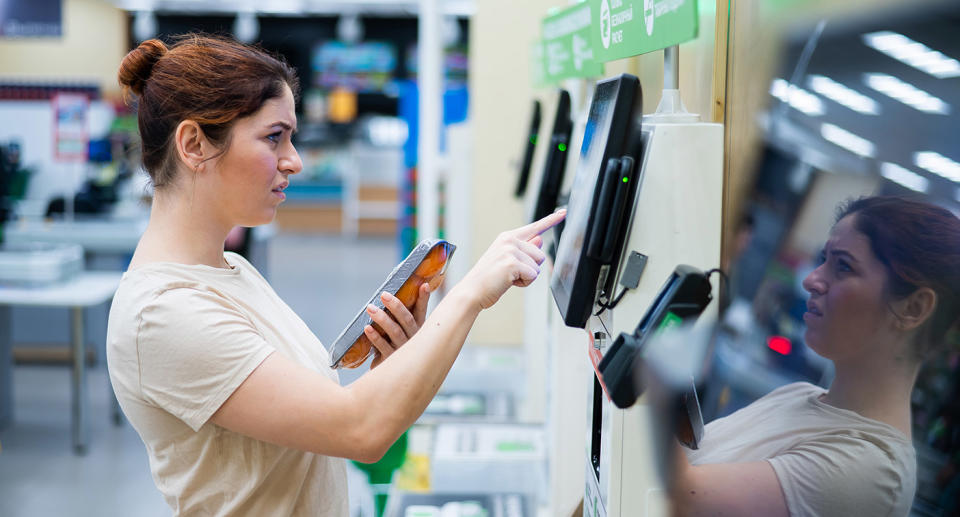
x,y
369,455
371,441
370,448
372,433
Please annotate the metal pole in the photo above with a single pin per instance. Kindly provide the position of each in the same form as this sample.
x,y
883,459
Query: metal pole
x,y
430,82
79,381
6,366
671,68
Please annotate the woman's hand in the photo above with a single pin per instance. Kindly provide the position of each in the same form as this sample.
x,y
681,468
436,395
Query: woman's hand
x,y
514,258
399,323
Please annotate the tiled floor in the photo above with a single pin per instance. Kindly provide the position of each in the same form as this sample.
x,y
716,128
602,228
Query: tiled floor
x,y
325,279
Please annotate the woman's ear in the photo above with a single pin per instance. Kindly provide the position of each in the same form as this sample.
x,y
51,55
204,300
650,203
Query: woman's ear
x,y
915,309
192,145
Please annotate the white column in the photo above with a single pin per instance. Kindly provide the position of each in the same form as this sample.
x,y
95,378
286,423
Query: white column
x,y
430,82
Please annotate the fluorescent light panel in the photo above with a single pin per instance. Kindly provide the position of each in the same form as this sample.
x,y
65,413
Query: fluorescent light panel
x,y
906,93
842,95
915,54
797,97
848,140
905,177
938,164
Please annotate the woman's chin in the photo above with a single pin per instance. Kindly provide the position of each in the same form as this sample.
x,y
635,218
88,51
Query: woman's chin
x,y
811,339
262,219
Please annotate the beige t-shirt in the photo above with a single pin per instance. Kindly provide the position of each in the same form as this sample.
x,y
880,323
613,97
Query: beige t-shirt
x,y
829,461
180,340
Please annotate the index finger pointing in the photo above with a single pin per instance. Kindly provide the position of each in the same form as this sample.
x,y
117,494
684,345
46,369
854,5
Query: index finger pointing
x,y
537,227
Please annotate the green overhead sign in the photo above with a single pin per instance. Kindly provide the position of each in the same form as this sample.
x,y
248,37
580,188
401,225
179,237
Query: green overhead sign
x,y
537,72
567,51
625,28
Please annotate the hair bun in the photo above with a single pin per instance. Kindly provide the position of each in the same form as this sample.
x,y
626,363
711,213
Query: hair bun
x,y
137,65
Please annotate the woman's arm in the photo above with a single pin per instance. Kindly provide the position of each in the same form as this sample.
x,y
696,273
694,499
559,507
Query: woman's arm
x,y
288,404
729,489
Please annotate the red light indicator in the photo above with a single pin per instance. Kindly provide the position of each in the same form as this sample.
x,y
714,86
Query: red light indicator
x,y
779,344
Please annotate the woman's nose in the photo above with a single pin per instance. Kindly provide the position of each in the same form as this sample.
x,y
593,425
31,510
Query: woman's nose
x,y
814,282
291,163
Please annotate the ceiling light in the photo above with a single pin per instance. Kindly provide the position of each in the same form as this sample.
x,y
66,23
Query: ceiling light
x,y
349,28
144,25
246,27
913,53
848,140
905,177
797,97
938,164
906,93
842,95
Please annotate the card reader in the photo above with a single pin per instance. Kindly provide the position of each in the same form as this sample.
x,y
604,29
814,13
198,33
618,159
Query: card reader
x,y
682,298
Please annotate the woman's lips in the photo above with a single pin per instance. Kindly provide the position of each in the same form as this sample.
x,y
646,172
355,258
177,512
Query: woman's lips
x,y
812,312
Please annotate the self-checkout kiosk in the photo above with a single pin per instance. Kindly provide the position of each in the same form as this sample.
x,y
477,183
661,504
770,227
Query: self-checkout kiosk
x,y
643,224
549,397
529,146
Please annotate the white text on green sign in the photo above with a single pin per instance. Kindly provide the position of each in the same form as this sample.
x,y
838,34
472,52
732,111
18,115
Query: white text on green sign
x,y
625,28
566,44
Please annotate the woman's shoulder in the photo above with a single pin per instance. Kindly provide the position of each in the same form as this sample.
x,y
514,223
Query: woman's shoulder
x,y
795,390
149,280
149,283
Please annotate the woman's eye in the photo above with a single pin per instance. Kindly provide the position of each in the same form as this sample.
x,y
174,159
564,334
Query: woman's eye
x,y
274,137
843,266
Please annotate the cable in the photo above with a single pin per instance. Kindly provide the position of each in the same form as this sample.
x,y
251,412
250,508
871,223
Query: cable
x,y
611,305
724,283
724,290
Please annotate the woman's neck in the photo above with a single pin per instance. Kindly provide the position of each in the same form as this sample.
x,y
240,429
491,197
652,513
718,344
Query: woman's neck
x,y
181,230
878,388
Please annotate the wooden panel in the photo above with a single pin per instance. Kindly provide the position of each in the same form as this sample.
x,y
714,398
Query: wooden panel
x,y
45,353
381,227
310,217
753,47
720,49
377,193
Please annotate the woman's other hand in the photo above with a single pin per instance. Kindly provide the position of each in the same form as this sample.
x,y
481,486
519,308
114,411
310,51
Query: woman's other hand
x,y
514,258
398,323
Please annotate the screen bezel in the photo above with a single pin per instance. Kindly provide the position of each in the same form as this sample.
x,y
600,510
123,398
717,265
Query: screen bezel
x,y
623,138
556,160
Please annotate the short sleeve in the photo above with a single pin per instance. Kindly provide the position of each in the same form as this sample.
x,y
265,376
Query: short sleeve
x,y
194,349
840,476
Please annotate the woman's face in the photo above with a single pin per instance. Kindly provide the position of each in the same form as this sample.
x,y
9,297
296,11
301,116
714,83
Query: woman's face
x,y
251,175
847,311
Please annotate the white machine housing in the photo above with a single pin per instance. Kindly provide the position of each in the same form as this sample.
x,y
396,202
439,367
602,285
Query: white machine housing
x,y
676,220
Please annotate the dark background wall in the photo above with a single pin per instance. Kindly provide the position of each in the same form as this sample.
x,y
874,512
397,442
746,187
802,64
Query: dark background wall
x,y
296,37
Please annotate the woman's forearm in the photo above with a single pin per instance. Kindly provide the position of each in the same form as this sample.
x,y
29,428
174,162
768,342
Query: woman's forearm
x,y
397,392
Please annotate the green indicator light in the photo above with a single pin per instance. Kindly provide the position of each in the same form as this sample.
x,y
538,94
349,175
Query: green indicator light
x,y
562,147
625,179
533,139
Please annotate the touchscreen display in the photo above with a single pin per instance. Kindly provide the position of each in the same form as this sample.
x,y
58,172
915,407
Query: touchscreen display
x,y
584,185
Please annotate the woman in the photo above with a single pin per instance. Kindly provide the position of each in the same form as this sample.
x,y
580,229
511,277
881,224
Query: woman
x,y
229,390
886,295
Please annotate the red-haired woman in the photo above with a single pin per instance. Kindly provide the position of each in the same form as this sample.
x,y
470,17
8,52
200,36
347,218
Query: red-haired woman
x,y
886,295
228,388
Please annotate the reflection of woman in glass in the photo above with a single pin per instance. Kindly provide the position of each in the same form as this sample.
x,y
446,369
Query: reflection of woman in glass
x,y
230,391
886,295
